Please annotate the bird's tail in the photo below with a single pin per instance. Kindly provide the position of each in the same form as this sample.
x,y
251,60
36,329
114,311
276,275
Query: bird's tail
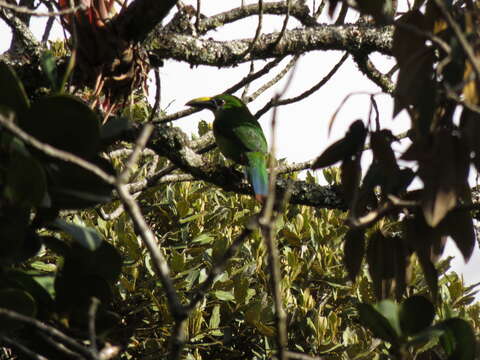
x,y
257,174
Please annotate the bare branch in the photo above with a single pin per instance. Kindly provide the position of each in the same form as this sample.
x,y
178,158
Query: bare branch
x,y
26,10
49,330
305,94
21,348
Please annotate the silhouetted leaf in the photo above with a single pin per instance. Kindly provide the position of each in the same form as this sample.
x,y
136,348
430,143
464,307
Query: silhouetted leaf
x,y
415,86
401,263
422,238
72,187
64,122
458,340
438,173
407,43
12,93
351,172
459,225
114,127
381,261
345,148
416,313
25,182
13,231
334,153
354,250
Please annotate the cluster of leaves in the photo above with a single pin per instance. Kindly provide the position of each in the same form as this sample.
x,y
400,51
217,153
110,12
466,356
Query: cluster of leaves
x,y
196,223
429,85
388,222
34,188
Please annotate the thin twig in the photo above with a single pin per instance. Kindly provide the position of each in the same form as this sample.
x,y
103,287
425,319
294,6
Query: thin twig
x,y
59,346
284,26
158,95
257,32
160,264
306,93
275,80
267,226
21,348
47,329
247,85
251,77
460,36
137,151
197,20
26,10
92,317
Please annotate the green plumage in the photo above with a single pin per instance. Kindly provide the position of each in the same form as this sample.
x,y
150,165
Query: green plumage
x,y
239,137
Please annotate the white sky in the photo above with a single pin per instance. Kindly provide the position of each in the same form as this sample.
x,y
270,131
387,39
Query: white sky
x,y
302,127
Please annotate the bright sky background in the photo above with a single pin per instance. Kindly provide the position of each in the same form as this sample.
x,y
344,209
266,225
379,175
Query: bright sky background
x,y
302,127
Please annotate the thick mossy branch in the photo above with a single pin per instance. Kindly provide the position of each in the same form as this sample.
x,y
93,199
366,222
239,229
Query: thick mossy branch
x,y
197,51
172,143
298,10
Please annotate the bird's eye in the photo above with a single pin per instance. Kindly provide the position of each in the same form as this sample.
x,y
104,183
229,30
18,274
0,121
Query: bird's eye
x,y
219,102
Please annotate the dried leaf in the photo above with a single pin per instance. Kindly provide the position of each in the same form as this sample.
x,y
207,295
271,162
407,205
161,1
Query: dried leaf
x,y
354,250
458,225
421,238
438,173
408,43
342,149
351,172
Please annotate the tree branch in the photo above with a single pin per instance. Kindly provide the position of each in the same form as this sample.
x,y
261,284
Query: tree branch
x,y
297,9
352,38
171,142
141,17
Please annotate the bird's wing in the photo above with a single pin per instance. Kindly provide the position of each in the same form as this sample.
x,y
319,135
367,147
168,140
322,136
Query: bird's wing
x,y
251,137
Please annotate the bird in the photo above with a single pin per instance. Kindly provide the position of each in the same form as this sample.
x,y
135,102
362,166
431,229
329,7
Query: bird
x,y
239,137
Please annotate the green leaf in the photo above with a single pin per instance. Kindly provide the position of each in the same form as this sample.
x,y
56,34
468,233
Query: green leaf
x,y
114,127
458,340
25,183
49,67
240,289
390,311
12,93
224,295
215,317
377,323
64,122
72,187
416,314
88,237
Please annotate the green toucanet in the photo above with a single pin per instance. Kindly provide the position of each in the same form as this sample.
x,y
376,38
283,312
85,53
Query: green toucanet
x,y
239,137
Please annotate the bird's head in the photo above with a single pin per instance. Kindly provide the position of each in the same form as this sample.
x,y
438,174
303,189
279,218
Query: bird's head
x,y
216,103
